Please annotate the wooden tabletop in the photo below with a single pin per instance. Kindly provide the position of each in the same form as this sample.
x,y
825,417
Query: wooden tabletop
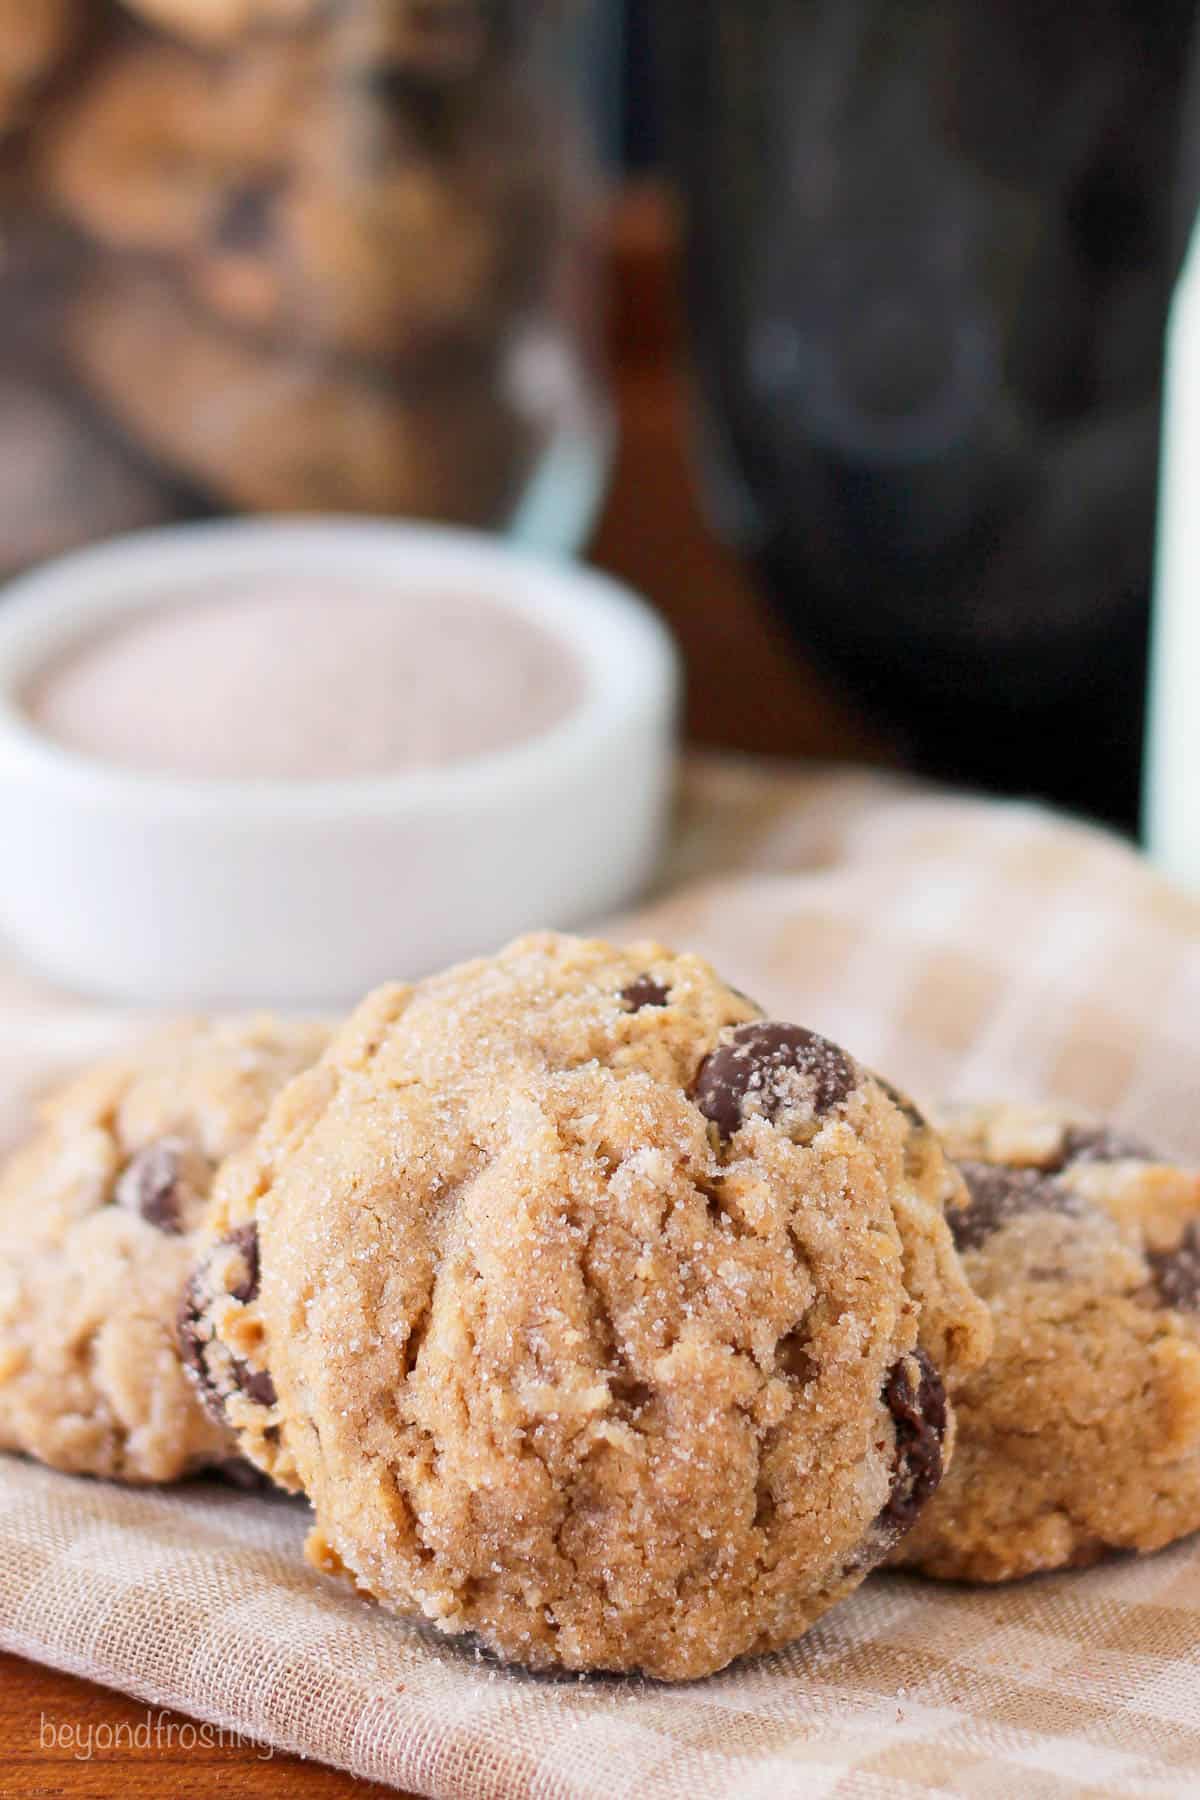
x,y
69,1738
746,690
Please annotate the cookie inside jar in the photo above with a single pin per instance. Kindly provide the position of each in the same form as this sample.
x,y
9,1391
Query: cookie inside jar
x,y
304,256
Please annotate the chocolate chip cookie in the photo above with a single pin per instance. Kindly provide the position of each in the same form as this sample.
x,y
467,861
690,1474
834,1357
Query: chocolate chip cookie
x,y
442,39
317,206
278,432
403,229
147,152
36,36
596,1314
97,1222
1081,1435
216,24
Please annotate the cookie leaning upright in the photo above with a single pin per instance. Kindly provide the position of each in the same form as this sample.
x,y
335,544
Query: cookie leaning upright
x,y
97,1216
594,1314
1082,1434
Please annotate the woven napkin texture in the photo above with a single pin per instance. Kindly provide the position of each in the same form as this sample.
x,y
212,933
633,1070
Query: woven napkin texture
x,y
966,950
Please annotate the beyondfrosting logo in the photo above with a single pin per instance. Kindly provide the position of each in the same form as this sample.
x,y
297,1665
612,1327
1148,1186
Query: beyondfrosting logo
x,y
157,1731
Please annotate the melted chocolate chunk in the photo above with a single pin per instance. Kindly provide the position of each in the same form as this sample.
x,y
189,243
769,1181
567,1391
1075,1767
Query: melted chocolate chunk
x,y
768,1068
256,1384
998,1194
1100,1144
645,991
919,1421
151,1185
244,224
1177,1272
919,1414
245,1241
192,1341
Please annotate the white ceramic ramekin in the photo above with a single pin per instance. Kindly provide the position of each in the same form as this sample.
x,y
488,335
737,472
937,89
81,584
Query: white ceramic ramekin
x,y
176,891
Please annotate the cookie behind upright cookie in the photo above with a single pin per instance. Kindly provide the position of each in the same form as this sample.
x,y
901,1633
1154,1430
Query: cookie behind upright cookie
x,y
1081,1436
97,1221
595,1314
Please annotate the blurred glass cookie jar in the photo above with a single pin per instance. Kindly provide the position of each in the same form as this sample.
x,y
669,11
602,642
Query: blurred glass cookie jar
x,y
298,256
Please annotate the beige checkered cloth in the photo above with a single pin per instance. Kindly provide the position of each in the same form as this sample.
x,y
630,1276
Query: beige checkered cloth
x,y
964,949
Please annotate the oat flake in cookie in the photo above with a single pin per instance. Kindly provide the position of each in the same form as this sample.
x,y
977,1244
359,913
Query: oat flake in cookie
x,y
1082,1434
596,1315
98,1216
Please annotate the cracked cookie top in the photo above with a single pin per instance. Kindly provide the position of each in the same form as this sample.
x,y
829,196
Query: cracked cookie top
x,y
1082,1434
596,1314
97,1221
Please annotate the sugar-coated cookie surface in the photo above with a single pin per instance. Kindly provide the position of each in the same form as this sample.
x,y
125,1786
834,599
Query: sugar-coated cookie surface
x,y
97,1220
1082,1434
595,1314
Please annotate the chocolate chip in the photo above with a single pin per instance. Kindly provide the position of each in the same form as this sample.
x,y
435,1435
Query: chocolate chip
x,y
245,1241
919,1415
630,1394
1177,1272
256,1384
771,1069
793,1359
244,223
152,1185
645,991
193,1341
1099,1144
407,97
999,1193
919,1421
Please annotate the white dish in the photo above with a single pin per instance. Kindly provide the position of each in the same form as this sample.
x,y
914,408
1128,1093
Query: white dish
x,y
177,891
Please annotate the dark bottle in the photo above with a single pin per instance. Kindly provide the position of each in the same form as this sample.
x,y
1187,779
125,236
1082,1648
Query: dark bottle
x,y
930,252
